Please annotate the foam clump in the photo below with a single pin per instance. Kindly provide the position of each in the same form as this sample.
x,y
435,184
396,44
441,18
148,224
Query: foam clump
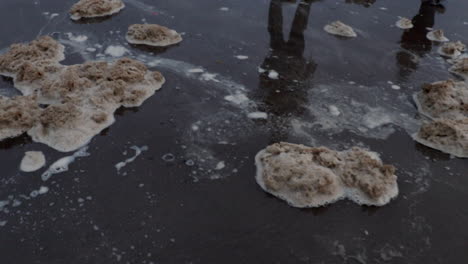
x,y
447,135
152,35
79,100
446,104
340,29
312,177
437,35
32,161
460,67
404,23
443,99
452,49
95,8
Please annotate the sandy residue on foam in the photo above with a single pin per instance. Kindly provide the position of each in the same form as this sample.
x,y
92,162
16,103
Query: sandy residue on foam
x,y
446,103
340,29
42,49
81,98
32,161
313,177
152,35
17,115
61,165
95,8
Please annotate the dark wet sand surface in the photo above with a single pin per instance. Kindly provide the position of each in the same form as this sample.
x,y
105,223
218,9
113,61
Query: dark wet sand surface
x,y
157,211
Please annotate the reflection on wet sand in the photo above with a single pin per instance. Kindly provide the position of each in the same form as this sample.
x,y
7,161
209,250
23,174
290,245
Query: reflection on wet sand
x,y
414,43
286,96
365,3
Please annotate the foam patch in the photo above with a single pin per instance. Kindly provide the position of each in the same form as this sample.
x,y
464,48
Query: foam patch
x,y
404,23
437,35
460,67
312,177
447,135
443,99
340,29
446,103
452,49
95,8
152,35
80,99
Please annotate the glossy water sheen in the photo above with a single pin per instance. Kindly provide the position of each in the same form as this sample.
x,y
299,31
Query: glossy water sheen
x,y
189,209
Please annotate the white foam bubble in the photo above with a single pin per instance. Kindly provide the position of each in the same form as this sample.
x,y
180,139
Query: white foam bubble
x,y
221,165
138,151
62,164
77,38
116,51
32,161
42,190
196,70
334,110
272,74
209,77
242,57
238,98
257,115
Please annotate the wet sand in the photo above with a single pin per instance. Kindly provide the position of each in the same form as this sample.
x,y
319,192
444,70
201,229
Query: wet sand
x,y
192,196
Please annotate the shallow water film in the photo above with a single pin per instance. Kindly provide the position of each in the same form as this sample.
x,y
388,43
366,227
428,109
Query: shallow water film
x,y
173,180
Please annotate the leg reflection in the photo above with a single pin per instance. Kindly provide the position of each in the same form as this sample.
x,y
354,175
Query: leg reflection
x,y
286,97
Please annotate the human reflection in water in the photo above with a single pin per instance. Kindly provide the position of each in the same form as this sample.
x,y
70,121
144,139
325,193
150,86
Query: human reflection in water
x,y
285,97
414,42
365,3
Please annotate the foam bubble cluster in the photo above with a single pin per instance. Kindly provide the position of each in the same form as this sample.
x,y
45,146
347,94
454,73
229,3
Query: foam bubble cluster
x,y
152,35
80,99
95,8
312,177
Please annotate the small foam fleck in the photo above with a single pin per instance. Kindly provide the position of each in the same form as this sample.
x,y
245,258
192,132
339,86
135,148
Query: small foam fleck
x,y
257,115
116,51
